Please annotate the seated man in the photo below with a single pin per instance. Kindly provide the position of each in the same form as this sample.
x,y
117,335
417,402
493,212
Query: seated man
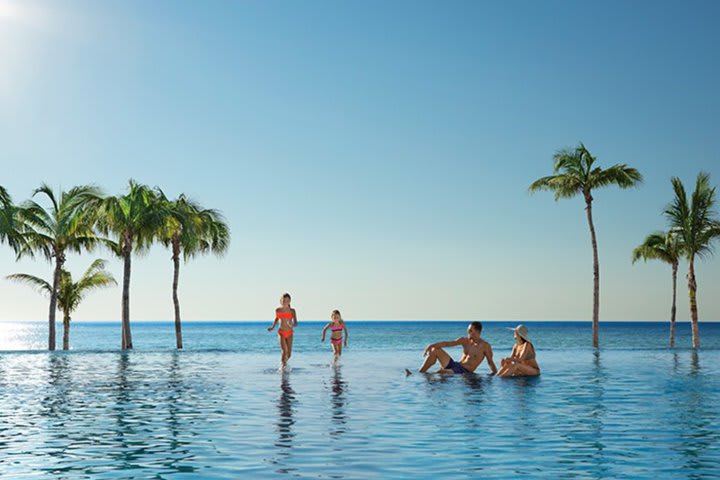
x,y
475,350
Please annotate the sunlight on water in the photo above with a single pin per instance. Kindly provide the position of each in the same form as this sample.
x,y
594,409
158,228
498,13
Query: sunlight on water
x,y
22,336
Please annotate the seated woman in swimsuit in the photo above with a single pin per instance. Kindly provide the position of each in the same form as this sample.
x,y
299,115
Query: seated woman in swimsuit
x,y
521,362
288,319
337,327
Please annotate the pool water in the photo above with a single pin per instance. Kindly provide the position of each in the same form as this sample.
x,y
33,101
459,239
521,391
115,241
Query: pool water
x,y
229,413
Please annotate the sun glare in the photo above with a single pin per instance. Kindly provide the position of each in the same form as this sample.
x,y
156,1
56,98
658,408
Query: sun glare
x,y
8,11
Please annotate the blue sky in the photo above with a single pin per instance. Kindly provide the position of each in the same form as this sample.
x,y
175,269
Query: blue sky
x,y
369,156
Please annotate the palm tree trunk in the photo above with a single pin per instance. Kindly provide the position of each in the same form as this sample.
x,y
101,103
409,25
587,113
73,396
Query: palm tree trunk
x,y
126,335
59,260
692,291
176,301
673,309
596,274
66,332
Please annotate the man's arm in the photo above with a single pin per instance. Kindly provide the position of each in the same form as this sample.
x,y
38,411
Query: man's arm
x,y
489,356
451,343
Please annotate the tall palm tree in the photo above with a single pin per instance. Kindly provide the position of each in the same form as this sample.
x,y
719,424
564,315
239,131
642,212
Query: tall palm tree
x,y
666,247
65,225
190,230
134,218
70,293
574,174
11,225
697,226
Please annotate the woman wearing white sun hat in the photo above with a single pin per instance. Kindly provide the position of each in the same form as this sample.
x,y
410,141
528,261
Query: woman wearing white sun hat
x,y
521,362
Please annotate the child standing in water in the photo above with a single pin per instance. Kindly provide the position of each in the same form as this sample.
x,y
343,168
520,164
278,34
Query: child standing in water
x,y
337,327
288,319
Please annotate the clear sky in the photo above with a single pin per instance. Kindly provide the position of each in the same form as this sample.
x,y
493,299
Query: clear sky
x,y
369,156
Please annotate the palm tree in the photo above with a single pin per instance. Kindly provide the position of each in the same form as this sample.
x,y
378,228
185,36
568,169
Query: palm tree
x,y
573,174
70,293
190,230
134,218
66,225
11,225
697,226
666,247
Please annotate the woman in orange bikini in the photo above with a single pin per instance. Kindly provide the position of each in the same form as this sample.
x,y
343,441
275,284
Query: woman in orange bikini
x,y
288,319
337,327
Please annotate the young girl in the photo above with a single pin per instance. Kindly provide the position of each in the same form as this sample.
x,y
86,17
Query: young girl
x,y
337,327
521,362
288,319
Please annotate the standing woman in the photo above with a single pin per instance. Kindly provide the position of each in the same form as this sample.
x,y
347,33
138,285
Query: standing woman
x,y
521,362
288,319
337,328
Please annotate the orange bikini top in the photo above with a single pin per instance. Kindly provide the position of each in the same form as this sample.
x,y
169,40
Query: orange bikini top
x,y
287,315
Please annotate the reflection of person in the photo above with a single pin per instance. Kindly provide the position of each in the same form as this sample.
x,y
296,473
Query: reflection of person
x,y
337,328
521,362
288,319
339,419
475,350
286,419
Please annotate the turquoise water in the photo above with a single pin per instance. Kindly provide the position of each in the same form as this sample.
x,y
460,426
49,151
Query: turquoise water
x,y
221,409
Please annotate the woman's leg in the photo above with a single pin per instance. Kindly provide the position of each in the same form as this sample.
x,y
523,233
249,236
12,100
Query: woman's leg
x,y
283,353
522,370
289,342
435,355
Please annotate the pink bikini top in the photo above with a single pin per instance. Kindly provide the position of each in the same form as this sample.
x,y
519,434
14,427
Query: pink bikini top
x,y
336,329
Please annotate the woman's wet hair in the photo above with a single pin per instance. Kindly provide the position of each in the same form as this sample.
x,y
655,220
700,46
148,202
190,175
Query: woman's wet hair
x,y
284,296
336,312
477,326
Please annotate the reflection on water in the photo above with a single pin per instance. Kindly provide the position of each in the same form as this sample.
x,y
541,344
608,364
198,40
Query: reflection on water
x,y
633,414
337,401
286,404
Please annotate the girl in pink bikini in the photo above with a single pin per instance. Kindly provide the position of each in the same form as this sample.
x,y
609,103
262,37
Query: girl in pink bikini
x,y
337,327
288,319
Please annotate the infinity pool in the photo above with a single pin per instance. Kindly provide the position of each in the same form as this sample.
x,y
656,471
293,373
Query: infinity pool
x,y
228,414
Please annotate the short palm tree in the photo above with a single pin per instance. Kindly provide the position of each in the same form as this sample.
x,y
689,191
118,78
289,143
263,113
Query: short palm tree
x,y
574,174
65,225
134,219
190,230
666,247
70,293
697,225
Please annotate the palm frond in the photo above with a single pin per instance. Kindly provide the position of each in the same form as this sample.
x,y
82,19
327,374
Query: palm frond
x,y
36,282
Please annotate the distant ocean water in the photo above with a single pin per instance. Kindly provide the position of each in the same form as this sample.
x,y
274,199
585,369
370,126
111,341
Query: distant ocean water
x,y
221,409
364,335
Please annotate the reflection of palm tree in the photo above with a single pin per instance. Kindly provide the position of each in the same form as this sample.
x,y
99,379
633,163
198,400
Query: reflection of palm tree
x,y
56,409
696,419
56,402
177,448
337,399
125,430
